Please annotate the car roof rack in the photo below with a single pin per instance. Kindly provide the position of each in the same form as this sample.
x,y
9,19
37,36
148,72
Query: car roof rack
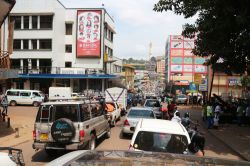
x,y
95,98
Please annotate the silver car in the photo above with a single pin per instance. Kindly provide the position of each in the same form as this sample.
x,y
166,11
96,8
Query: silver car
x,y
155,105
69,125
133,117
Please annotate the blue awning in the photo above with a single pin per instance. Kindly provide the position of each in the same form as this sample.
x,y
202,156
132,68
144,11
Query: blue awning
x,y
65,76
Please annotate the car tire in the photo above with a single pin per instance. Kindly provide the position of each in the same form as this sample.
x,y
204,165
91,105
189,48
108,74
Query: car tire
x,y
92,142
51,152
35,104
13,103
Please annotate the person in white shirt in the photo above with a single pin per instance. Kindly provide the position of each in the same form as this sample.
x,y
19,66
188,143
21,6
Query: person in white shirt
x,y
176,117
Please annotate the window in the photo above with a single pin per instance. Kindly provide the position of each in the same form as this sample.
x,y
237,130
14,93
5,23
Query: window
x,y
68,48
66,111
68,64
33,63
96,110
25,44
46,22
12,93
34,22
68,28
17,21
34,44
25,22
46,44
36,94
112,36
17,44
85,113
25,94
44,113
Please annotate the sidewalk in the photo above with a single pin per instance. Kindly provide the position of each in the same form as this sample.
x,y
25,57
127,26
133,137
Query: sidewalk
x,y
235,137
24,123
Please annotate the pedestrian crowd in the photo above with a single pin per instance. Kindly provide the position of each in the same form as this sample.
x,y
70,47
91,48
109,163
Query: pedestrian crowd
x,y
215,113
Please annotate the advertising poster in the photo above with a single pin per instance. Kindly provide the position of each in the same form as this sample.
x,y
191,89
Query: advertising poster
x,y
199,69
176,68
189,44
188,60
199,61
188,68
178,52
88,33
176,44
176,37
177,60
188,53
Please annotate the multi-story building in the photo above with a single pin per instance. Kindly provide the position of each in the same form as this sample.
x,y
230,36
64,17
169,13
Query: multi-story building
x,y
160,67
181,64
55,45
129,75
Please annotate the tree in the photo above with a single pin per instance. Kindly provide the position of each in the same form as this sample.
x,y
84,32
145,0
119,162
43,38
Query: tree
x,y
222,30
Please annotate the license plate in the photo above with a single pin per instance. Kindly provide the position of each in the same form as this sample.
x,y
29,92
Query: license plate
x,y
44,136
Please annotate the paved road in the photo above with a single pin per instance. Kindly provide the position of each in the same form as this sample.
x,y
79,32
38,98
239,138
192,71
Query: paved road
x,y
214,147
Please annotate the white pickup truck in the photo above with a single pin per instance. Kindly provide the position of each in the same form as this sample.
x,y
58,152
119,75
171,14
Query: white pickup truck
x,y
115,115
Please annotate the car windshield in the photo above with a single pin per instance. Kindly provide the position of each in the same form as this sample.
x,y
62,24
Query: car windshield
x,y
161,142
152,103
181,96
140,114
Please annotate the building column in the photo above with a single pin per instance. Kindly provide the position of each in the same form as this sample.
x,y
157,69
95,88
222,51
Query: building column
x,y
37,64
71,84
103,85
87,84
21,63
30,22
21,22
38,22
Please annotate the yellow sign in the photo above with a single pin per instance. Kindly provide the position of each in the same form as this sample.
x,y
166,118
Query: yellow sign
x,y
197,78
106,57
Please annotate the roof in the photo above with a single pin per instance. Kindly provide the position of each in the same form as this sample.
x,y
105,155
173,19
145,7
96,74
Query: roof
x,y
141,108
162,126
92,76
67,102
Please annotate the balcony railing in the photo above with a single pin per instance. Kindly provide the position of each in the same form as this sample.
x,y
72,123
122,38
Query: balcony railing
x,y
57,70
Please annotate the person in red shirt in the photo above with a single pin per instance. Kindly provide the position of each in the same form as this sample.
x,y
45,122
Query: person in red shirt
x,y
171,109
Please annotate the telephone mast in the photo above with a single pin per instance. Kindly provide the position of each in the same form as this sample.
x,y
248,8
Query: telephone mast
x,y
150,50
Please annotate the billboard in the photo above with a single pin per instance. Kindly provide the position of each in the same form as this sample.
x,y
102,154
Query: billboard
x,y
188,68
188,60
88,33
178,52
188,53
176,44
199,69
176,60
199,61
5,8
176,68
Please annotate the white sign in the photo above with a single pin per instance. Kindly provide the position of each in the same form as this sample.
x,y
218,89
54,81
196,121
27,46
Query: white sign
x,y
203,85
176,44
72,71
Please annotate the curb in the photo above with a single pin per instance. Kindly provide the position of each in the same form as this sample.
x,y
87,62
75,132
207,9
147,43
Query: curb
x,y
230,147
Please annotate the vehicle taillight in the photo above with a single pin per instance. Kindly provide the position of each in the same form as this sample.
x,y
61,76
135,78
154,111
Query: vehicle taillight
x,y
126,123
34,134
131,147
81,134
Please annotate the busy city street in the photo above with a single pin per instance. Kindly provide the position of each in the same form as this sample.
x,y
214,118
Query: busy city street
x,y
153,82
213,147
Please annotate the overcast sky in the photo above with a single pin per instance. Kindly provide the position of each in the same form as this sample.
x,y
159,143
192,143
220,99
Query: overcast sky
x,y
136,25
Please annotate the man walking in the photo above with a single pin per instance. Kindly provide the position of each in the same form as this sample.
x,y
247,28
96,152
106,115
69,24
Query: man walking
x,y
209,116
4,104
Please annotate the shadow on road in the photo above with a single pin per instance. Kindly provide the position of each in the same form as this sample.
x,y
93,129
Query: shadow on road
x,y
41,156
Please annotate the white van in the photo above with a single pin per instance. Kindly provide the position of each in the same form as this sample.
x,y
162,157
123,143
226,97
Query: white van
x,y
25,97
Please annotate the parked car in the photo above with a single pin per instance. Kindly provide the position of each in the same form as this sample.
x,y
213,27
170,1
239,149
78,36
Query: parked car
x,y
25,97
11,156
114,114
181,99
70,125
155,105
133,116
157,135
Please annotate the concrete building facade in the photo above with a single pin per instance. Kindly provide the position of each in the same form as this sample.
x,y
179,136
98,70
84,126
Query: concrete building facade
x,y
59,46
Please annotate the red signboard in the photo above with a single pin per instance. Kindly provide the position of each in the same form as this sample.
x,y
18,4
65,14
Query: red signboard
x,y
88,33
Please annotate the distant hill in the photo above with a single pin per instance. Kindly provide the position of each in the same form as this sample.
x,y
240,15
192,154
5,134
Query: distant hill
x,y
131,60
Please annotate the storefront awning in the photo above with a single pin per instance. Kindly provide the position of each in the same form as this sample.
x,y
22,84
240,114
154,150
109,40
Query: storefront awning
x,y
68,76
